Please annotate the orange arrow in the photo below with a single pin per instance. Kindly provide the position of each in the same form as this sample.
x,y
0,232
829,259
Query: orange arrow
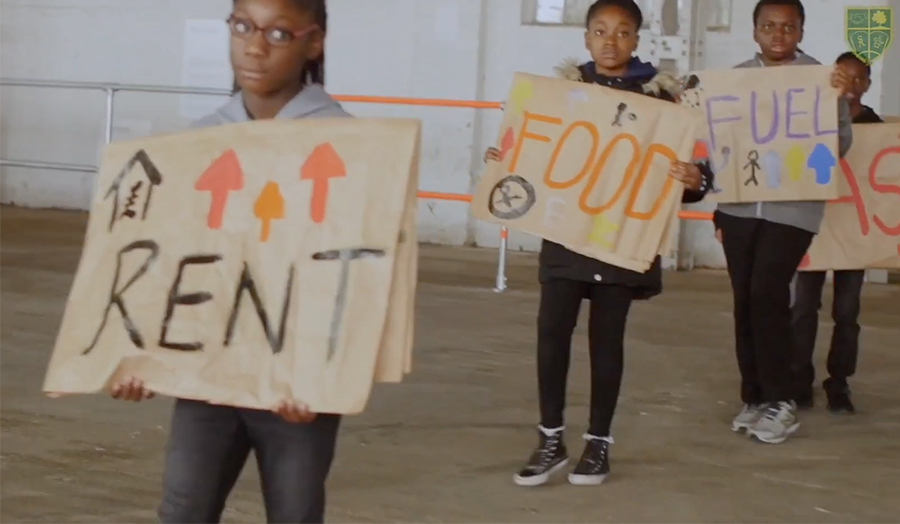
x,y
269,206
701,151
323,164
509,140
221,178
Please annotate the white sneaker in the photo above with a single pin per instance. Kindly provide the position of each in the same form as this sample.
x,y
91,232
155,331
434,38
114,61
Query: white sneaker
x,y
777,423
746,418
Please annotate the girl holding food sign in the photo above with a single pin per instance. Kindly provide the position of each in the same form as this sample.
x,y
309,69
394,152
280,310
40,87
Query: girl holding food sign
x,y
278,62
567,278
764,243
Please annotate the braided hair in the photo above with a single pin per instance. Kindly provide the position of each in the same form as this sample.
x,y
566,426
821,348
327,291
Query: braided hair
x,y
313,71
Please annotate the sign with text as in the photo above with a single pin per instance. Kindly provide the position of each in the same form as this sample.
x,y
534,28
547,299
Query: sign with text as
x,y
862,228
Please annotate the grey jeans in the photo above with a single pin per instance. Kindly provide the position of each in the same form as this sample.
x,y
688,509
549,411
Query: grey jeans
x,y
208,446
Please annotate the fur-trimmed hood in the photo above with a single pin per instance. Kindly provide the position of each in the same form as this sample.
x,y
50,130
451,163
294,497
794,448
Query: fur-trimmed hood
x,y
653,82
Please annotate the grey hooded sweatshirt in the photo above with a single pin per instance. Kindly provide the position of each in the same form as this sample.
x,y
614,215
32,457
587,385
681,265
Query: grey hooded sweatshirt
x,y
312,102
806,215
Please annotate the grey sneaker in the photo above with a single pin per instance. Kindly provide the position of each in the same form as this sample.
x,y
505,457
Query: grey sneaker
x,y
777,423
746,418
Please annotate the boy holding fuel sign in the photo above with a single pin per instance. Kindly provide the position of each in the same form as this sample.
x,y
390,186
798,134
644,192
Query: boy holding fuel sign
x,y
764,241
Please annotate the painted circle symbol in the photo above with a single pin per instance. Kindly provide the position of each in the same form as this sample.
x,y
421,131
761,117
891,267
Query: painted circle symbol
x,y
512,198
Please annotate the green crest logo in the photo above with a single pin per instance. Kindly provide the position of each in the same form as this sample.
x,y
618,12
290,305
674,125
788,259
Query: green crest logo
x,y
869,31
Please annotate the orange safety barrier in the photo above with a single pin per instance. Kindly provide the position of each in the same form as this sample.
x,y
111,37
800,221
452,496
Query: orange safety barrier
x,y
434,195
470,104
112,89
431,102
695,215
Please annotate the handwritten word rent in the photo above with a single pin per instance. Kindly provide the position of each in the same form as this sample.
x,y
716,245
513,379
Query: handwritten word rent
x,y
593,166
246,288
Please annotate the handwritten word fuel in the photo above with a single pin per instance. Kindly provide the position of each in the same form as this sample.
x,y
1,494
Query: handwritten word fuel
x,y
777,117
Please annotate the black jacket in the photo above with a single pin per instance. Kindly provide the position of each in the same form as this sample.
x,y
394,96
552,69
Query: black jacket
x,y
868,116
558,262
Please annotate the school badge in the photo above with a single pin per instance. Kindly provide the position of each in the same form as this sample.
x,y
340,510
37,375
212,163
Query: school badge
x,y
869,31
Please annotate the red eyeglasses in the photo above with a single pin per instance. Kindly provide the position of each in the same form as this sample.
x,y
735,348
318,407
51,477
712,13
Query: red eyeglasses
x,y
244,29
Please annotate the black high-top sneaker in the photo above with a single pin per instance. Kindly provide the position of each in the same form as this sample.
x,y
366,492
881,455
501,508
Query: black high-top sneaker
x,y
838,393
593,468
549,457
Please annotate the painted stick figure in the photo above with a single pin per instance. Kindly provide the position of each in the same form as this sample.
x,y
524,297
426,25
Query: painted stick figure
x,y
753,164
620,112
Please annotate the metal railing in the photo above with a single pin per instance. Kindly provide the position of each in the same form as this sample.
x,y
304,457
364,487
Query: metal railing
x,y
110,90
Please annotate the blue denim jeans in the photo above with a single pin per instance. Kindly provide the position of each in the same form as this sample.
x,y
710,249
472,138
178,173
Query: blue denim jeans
x,y
208,446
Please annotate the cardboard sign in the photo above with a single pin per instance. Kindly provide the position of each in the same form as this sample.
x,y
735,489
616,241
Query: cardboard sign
x,y
587,167
862,228
771,132
249,263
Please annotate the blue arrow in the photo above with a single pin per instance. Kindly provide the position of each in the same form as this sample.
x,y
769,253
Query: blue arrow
x,y
822,161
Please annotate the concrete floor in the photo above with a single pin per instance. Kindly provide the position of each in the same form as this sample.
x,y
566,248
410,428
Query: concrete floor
x,y
443,446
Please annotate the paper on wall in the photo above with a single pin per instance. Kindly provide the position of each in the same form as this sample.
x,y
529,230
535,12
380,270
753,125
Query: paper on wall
x,y
206,64
550,11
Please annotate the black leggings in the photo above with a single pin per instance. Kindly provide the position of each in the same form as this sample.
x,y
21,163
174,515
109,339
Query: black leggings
x,y
558,314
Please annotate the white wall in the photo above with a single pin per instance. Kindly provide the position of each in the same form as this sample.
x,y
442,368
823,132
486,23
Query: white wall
x,y
458,49
890,66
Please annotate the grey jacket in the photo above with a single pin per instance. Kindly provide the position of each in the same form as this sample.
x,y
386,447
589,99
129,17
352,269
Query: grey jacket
x,y
312,102
805,215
